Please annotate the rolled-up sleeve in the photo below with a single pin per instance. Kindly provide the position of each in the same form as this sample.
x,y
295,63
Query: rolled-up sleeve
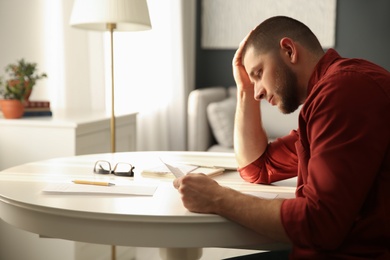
x,y
278,162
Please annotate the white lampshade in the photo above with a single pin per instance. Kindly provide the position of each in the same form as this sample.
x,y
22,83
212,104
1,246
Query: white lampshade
x,y
127,15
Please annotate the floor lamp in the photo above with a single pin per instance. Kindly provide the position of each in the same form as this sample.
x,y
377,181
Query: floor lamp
x,y
111,15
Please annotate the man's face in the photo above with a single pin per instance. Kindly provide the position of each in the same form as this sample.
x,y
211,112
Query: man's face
x,y
273,80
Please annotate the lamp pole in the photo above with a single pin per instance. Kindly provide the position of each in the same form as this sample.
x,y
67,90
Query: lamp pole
x,y
111,27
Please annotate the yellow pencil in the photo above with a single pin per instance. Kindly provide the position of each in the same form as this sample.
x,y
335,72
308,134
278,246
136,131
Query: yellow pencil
x,y
99,183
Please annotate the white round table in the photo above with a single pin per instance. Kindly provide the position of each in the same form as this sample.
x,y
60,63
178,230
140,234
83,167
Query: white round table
x,y
146,221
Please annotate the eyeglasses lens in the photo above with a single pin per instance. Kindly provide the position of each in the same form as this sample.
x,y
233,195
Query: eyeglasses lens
x,y
123,169
103,167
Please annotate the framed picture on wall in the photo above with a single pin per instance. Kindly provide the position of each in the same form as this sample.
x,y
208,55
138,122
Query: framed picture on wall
x,y
224,23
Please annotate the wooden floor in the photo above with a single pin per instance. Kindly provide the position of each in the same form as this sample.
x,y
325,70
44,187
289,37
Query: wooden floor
x,y
208,253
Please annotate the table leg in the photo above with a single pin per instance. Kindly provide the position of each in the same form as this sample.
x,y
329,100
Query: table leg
x,y
180,253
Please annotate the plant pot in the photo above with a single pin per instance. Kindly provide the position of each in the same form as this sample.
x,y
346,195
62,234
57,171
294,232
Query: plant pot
x,y
12,108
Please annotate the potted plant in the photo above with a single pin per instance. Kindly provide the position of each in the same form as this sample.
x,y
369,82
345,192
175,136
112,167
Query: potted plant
x,y
22,77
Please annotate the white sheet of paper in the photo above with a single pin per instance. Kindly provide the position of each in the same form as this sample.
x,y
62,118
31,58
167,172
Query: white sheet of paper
x,y
132,189
163,169
176,171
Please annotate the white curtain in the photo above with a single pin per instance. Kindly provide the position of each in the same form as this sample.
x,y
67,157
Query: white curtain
x,y
154,72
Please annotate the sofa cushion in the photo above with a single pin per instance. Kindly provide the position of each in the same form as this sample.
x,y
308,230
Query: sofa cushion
x,y
221,118
200,136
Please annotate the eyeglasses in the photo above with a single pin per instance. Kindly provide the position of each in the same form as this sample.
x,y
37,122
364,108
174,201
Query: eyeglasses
x,y
120,169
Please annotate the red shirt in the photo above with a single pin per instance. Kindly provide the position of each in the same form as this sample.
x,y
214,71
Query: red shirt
x,y
341,154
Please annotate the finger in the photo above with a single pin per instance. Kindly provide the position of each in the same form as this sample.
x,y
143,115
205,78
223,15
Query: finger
x,y
243,42
176,183
238,53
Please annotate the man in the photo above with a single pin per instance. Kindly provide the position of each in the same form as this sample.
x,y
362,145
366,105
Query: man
x,y
340,152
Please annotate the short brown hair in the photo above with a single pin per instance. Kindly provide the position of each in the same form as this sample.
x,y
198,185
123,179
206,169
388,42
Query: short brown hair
x,y
267,35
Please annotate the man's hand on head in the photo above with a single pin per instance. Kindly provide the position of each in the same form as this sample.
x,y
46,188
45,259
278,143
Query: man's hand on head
x,y
241,77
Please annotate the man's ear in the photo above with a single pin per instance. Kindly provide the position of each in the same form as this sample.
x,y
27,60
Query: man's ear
x,y
288,48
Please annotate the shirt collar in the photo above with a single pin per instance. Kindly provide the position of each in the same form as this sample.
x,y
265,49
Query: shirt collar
x,y
321,68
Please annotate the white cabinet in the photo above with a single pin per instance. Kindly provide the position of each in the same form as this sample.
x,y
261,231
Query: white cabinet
x,y
65,134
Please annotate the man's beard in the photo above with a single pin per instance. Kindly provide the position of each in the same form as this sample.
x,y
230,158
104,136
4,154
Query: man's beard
x,y
287,89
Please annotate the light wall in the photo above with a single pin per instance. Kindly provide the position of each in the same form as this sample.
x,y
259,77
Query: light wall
x,y
39,31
